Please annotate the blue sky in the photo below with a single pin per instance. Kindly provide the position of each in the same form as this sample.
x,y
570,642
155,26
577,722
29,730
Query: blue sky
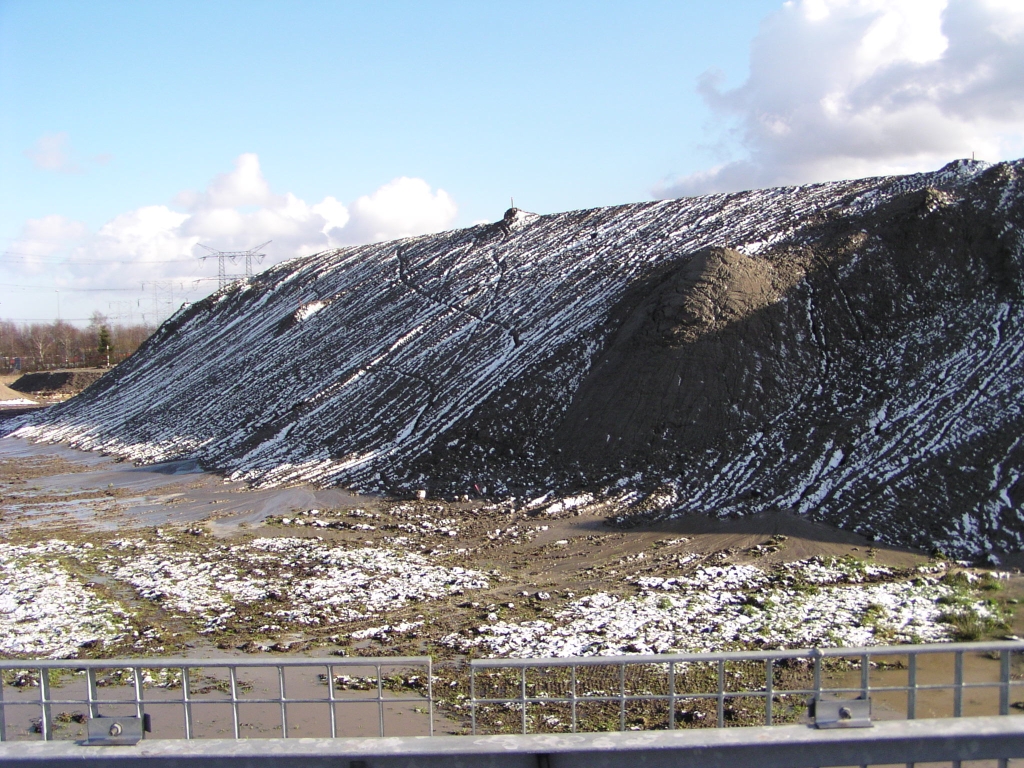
x,y
131,131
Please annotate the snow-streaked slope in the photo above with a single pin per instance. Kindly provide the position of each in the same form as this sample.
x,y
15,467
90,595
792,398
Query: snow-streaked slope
x,y
855,355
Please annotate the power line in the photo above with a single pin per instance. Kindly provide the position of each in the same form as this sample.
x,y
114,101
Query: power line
x,y
66,290
43,319
14,256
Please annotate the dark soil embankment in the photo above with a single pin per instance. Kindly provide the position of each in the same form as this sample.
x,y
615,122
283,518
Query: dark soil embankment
x,y
852,352
56,382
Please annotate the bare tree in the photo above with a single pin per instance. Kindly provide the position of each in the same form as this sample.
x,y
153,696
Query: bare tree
x,y
49,345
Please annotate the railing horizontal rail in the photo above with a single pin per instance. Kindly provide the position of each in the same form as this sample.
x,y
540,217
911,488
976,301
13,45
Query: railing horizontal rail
x,y
907,742
796,653
214,661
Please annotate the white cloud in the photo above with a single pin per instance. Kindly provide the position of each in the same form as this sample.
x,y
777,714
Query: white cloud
x,y
52,153
236,211
400,208
846,88
243,186
41,238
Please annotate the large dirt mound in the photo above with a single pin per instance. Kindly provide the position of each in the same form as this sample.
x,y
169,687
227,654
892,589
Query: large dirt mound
x,y
55,382
851,351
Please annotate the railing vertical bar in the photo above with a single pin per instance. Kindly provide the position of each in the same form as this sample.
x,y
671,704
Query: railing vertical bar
x,y
3,712
1004,682
768,685
380,700
865,679
958,690
522,696
622,697
865,672
721,693
140,709
671,695
430,692
46,724
912,686
472,699
235,720
90,692
284,706
958,682
816,654
330,701
572,678
186,701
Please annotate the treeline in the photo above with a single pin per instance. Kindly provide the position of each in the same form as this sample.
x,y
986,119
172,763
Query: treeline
x,y
46,346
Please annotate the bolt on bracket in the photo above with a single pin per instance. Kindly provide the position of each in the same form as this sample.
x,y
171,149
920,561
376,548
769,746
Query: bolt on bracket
x,y
117,731
832,712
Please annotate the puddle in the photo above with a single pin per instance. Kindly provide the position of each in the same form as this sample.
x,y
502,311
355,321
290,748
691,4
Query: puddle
x,y
159,494
935,676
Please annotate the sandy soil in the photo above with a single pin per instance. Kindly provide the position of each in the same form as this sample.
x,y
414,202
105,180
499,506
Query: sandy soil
x,y
6,393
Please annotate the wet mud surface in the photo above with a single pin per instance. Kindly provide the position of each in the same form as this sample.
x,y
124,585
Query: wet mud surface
x,y
103,559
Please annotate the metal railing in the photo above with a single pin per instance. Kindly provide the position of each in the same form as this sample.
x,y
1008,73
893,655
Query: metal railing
x,y
70,683
996,740
660,684
285,697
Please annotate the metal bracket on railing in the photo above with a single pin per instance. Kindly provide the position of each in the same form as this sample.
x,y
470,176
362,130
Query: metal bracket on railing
x,y
832,712
117,731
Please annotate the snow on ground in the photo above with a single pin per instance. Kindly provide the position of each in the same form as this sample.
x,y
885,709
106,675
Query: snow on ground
x,y
47,612
283,580
264,586
808,603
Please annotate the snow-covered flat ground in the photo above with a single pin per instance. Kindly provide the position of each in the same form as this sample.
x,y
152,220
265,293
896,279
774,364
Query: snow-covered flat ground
x,y
737,607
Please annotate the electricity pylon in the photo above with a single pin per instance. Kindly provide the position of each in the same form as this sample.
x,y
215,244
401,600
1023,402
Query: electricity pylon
x,y
223,278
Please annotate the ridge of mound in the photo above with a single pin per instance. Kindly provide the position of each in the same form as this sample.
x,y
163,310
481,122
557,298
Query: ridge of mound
x,y
850,351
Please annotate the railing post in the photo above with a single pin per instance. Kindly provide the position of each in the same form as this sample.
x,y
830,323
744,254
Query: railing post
x,y
472,698
671,695
380,700
865,671
46,723
3,711
816,655
1004,682
236,724
140,709
522,696
958,682
573,682
622,696
721,693
186,700
430,693
912,686
768,684
284,707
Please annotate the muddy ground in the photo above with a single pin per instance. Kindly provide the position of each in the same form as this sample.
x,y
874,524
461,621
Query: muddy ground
x,y
167,560
533,563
